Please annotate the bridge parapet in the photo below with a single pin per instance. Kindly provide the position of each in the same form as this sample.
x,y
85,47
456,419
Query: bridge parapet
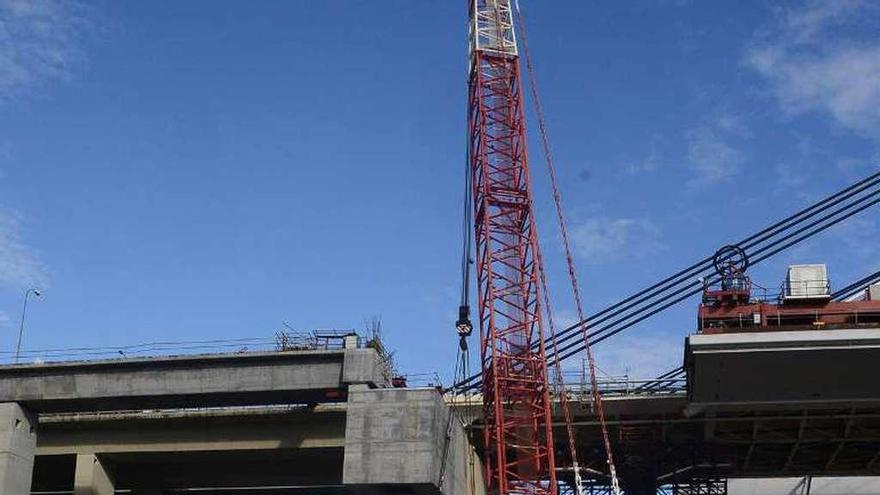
x,y
193,381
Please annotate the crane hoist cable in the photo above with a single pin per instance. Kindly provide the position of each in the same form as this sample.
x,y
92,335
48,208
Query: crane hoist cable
x,y
463,325
572,273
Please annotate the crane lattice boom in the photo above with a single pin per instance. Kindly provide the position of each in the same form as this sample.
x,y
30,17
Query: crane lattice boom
x,y
519,455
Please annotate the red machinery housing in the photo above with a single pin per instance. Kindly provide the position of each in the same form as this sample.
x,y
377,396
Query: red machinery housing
x,y
803,302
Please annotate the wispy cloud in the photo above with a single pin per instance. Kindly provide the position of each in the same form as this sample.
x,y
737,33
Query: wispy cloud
x,y
711,157
649,163
602,240
639,356
825,57
19,264
40,41
4,320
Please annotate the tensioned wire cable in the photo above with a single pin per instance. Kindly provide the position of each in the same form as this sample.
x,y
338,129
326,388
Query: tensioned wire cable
x,y
838,295
687,275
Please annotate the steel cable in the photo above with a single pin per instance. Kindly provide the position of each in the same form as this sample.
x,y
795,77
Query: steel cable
x,y
670,283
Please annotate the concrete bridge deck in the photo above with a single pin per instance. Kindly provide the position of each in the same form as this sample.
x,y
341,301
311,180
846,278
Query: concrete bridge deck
x,y
313,419
192,381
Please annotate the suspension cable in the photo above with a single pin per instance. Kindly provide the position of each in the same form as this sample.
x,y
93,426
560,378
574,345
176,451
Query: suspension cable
x,y
687,275
856,287
798,236
839,295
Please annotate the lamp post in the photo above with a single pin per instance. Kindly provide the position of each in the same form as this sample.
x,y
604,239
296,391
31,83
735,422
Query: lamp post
x,y
21,326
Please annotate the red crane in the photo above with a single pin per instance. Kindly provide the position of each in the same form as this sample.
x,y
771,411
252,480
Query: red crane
x,y
519,454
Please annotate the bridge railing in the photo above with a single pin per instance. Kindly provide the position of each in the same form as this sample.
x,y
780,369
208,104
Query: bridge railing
x,y
281,341
625,386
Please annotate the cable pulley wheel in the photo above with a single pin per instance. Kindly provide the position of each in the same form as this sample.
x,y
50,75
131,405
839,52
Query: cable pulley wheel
x,y
730,260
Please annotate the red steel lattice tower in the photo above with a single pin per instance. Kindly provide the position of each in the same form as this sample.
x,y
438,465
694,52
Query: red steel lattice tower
x,y
516,396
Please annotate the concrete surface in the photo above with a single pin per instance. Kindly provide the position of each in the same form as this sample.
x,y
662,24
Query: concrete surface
x,y
795,486
777,368
184,381
235,429
92,476
398,437
17,448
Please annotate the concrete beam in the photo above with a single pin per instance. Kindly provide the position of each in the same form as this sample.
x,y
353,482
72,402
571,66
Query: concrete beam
x,y
192,381
17,447
795,368
236,429
186,470
92,477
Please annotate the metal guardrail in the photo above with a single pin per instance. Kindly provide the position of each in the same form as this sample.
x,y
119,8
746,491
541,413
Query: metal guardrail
x,y
628,387
281,341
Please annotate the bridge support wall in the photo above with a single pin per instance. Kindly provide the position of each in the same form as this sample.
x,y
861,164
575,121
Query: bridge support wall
x,y
405,439
18,444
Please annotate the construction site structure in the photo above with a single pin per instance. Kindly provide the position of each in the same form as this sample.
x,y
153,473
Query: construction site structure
x,y
733,304
518,437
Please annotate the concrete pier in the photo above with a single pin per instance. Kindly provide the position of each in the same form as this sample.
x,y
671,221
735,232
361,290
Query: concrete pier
x,y
406,438
17,449
92,476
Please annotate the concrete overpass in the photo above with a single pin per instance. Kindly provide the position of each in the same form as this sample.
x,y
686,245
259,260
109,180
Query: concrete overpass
x,y
306,420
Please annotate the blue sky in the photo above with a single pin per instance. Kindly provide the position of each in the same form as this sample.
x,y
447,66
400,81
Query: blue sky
x,y
200,170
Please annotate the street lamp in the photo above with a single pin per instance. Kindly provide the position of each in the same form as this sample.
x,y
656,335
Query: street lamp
x,y
23,314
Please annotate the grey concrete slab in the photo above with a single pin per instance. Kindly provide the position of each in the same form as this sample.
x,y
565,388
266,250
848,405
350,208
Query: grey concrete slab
x,y
778,368
17,447
233,429
191,381
796,486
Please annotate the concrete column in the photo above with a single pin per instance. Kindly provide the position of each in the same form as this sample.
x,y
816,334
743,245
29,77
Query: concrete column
x,y
92,476
18,443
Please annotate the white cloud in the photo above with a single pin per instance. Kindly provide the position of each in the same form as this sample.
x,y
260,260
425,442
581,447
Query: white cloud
x,y
40,41
601,240
813,67
4,320
651,162
639,356
713,160
803,26
19,265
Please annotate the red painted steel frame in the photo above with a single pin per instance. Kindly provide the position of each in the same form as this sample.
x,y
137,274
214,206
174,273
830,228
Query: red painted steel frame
x,y
519,455
774,316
